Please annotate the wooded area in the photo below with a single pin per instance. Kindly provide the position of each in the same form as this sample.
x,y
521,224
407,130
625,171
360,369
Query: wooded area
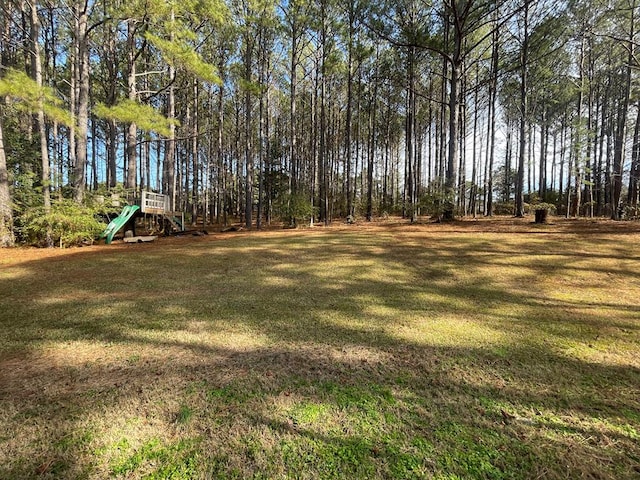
x,y
254,109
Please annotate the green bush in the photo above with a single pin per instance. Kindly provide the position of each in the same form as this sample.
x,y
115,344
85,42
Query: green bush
x,y
65,225
503,208
436,202
295,207
631,212
532,207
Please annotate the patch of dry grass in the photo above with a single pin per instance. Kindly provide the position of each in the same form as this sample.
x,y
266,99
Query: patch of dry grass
x,y
471,350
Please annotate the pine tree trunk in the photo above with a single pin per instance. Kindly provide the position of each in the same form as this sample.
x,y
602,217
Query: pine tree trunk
x,y
623,108
493,94
248,153
222,194
323,163
263,126
293,133
454,118
554,166
601,185
132,129
563,132
169,168
347,137
195,164
409,134
524,58
42,130
82,40
542,167
371,151
6,213
578,140
634,174
473,191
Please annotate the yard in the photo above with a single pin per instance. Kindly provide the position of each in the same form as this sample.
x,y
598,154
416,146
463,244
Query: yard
x,y
478,349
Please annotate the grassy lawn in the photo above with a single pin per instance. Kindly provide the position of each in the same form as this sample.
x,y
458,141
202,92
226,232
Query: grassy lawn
x,y
496,350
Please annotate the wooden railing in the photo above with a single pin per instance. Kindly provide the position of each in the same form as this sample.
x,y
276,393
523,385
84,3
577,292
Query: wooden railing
x,y
154,203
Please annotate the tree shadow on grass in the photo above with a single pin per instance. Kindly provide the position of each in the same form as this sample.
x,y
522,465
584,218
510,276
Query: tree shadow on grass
x,y
454,410
418,372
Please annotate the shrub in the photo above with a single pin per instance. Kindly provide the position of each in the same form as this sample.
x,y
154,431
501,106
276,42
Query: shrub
x,y
436,202
295,207
65,225
631,212
503,208
532,207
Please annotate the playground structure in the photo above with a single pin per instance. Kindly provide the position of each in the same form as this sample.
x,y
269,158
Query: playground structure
x,y
151,204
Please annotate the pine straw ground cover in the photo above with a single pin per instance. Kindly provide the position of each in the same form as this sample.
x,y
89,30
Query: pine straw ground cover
x,y
471,350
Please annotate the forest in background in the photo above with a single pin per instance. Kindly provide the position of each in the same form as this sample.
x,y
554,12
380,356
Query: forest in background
x,y
253,110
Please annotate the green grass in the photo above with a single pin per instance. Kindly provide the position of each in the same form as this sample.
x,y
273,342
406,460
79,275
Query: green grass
x,y
177,461
392,352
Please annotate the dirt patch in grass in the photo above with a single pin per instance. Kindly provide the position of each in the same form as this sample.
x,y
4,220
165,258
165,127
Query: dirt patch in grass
x,y
475,349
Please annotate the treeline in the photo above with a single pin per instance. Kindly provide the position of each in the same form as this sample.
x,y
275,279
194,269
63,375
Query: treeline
x,y
256,109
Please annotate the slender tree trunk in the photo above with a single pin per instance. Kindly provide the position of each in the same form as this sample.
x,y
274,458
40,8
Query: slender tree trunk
x,y
493,94
314,163
42,130
634,175
195,164
409,134
169,164
442,151
491,128
507,164
430,124
554,156
531,140
542,167
145,184
563,134
454,118
386,181
372,150
356,153
621,130
602,186
132,129
293,133
347,135
222,194
323,163
110,147
82,40
578,144
169,172
264,127
248,150
473,191
462,148
6,211
524,59
57,158
94,154
596,175
590,170
569,170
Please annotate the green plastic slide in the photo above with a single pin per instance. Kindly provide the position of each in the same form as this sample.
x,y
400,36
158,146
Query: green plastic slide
x,y
117,223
